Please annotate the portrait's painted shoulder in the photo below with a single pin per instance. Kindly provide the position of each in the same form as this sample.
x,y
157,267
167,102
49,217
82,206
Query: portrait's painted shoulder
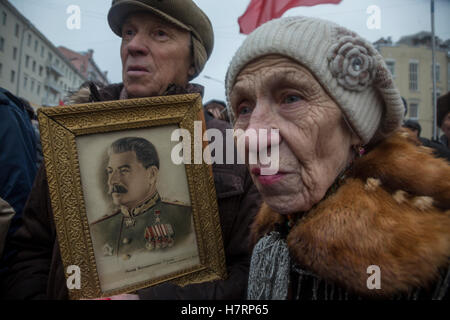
x,y
115,216
174,202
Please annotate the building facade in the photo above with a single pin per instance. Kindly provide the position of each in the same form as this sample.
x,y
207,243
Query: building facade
x,y
31,67
86,65
410,62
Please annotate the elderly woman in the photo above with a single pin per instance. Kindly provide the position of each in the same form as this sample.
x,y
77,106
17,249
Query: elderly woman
x,y
165,44
355,209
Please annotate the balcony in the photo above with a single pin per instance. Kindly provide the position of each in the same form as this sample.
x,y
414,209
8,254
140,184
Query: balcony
x,y
54,86
52,67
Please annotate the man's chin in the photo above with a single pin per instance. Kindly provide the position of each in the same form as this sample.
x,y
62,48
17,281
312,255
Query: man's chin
x,y
141,91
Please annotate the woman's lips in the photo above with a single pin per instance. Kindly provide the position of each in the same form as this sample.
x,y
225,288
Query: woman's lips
x,y
267,179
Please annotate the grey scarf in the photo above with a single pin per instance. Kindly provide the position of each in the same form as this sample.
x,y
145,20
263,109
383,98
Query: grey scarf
x,y
269,269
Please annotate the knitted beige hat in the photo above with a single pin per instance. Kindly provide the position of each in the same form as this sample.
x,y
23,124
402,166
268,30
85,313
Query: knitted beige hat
x,y
349,68
185,14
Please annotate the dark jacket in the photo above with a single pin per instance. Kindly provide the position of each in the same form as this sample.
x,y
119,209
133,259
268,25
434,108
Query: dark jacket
x,y
17,156
36,272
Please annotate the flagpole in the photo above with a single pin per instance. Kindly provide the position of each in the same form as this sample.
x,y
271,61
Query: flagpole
x,y
433,73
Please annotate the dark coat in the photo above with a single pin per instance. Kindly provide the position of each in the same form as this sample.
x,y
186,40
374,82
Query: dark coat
x,y
36,272
17,159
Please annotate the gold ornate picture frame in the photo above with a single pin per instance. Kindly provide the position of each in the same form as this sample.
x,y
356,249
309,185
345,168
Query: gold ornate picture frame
x,y
96,230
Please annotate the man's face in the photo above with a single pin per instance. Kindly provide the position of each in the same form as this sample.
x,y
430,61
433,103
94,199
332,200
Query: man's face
x,y
154,54
128,181
314,143
446,125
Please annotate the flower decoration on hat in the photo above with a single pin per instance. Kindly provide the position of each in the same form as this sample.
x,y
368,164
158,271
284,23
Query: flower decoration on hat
x,y
352,63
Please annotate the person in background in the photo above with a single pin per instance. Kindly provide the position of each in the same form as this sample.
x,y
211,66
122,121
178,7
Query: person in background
x,y
438,149
17,164
218,109
443,118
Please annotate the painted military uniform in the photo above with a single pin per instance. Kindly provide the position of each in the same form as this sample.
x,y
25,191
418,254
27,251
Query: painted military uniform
x,y
154,225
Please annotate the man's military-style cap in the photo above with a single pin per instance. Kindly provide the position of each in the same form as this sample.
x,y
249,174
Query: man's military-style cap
x,y
183,13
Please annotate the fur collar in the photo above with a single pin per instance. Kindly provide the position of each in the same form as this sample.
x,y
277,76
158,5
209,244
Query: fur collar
x,y
392,211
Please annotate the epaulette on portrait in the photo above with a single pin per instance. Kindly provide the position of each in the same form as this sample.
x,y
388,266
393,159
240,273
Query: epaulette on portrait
x,y
105,217
175,202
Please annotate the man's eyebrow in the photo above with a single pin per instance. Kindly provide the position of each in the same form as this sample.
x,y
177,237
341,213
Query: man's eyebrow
x,y
127,166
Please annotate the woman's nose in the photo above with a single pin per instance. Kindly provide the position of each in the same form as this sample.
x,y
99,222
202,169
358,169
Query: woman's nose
x,y
262,132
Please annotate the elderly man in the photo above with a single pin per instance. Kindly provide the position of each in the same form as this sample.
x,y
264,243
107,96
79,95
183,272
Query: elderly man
x,y
165,44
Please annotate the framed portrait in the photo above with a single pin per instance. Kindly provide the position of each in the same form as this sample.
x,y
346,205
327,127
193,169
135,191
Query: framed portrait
x,y
127,216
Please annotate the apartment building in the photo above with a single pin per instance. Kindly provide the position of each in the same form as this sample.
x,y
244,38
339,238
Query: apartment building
x,y
85,64
410,62
31,67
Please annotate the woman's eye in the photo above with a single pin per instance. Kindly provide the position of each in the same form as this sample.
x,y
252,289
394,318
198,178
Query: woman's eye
x,y
243,110
291,98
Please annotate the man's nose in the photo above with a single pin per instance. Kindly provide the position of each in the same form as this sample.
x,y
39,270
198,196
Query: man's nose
x,y
113,178
137,46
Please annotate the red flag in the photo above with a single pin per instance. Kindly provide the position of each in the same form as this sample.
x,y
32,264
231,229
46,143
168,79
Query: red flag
x,y
260,11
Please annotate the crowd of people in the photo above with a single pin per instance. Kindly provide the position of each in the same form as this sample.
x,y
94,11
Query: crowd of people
x,y
356,186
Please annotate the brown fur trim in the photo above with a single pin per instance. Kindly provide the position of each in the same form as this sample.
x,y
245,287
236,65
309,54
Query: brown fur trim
x,y
356,228
401,165
79,97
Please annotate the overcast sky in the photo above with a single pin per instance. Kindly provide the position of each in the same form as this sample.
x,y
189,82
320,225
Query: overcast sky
x,y
398,18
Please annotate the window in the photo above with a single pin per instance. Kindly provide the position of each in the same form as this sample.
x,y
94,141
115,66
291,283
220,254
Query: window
x,y
438,72
50,56
16,32
34,66
2,44
413,76
32,85
391,66
4,16
14,53
448,77
36,44
13,76
25,82
1,69
27,61
39,89
413,110
42,51
29,40
41,69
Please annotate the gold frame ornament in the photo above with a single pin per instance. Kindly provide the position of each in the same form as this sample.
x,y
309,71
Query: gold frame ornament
x,y
61,126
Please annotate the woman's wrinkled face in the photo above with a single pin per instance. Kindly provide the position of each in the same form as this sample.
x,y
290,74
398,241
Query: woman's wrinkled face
x,y
314,140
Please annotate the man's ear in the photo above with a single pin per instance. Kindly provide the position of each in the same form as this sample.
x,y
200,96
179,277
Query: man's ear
x,y
191,71
152,174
